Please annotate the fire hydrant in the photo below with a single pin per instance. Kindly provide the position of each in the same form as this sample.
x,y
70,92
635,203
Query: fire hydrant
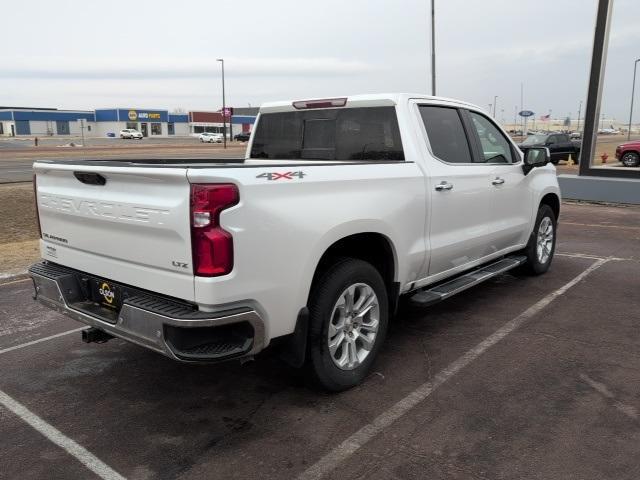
x,y
604,157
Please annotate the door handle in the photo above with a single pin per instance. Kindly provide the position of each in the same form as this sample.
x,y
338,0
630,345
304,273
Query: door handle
x,y
444,186
498,181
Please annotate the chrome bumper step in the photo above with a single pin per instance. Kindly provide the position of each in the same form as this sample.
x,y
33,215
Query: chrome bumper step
x,y
442,291
173,328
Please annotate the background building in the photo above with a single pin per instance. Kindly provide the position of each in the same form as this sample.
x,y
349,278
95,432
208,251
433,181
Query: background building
x,y
103,122
16,121
242,120
151,123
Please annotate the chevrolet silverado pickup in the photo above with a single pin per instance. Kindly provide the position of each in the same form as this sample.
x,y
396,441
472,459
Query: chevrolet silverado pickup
x,y
340,207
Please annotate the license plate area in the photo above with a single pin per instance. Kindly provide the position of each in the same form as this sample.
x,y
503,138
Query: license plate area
x,y
106,294
102,298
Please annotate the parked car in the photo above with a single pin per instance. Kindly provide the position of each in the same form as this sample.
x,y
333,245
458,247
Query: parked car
x,y
307,244
559,144
131,134
242,137
629,153
211,137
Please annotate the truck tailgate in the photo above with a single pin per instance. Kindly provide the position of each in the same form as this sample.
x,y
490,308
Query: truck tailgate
x,y
128,224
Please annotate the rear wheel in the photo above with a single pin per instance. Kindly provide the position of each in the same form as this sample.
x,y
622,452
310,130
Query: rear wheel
x,y
630,159
542,242
348,315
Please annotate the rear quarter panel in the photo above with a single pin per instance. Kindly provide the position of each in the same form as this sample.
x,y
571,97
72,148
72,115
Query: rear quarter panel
x,y
281,228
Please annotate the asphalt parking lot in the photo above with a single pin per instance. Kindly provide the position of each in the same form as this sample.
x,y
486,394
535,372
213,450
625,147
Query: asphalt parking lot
x,y
518,378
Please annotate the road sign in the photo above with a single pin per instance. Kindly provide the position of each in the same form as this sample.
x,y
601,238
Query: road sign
x,y
526,113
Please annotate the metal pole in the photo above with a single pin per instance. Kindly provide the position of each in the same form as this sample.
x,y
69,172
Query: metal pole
x,y
522,104
495,99
82,130
224,107
579,110
433,48
633,88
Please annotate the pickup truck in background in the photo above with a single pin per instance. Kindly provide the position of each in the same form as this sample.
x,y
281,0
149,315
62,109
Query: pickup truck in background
x,y
559,144
341,206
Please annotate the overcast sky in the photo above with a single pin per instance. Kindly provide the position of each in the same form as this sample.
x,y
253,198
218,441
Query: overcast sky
x,y
162,53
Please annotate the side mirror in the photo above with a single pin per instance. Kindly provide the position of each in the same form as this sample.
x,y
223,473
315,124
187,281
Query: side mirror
x,y
535,157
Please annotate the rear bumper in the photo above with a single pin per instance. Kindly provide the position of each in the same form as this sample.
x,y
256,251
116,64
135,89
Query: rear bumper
x,y
175,329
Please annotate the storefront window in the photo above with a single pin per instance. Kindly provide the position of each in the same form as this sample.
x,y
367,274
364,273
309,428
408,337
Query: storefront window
x,y
156,129
202,129
133,125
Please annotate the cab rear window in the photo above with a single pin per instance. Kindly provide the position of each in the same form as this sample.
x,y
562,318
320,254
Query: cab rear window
x,y
370,133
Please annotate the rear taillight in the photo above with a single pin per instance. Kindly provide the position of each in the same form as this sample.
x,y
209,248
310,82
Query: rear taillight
x,y
211,245
35,195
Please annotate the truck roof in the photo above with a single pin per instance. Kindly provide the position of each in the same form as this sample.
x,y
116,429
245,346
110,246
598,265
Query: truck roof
x,y
367,100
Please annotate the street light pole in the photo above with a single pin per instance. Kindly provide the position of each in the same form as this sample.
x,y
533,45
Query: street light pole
x,y
633,88
433,48
495,99
224,107
579,111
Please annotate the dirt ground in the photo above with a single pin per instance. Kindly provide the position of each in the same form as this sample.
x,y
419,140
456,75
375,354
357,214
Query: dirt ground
x,y
19,232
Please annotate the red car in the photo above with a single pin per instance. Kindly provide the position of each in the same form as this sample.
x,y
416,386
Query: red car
x,y
629,153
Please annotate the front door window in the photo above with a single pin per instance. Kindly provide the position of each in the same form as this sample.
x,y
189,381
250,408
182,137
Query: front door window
x,y
145,129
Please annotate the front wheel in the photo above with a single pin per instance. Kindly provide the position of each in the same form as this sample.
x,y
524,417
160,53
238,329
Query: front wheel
x,y
630,159
542,242
348,315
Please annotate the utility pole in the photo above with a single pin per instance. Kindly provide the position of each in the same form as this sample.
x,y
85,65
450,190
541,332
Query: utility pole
x,y
524,119
579,111
633,91
224,107
433,48
495,100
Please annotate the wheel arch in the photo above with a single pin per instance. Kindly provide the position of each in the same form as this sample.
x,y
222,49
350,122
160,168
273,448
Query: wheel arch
x,y
372,247
553,201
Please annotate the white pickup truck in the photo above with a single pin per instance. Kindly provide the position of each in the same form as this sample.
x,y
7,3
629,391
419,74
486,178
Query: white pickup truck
x,y
340,207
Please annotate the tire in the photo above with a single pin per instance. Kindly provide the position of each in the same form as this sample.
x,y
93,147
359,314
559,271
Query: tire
x,y
538,263
630,159
357,339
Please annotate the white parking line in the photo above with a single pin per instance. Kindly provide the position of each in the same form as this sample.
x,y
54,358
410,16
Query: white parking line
x,y
351,445
40,340
84,456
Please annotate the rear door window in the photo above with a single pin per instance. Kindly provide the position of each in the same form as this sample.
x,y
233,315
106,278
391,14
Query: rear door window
x,y
446,134
370,133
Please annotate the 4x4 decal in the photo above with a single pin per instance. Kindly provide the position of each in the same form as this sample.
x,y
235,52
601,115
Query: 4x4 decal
x,y
283,176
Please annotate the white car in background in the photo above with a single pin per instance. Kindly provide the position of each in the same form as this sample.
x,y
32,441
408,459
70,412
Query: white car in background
x,y
130,133
211,137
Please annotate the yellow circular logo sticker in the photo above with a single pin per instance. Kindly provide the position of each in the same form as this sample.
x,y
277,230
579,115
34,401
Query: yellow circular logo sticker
x,y
133,115
106,292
